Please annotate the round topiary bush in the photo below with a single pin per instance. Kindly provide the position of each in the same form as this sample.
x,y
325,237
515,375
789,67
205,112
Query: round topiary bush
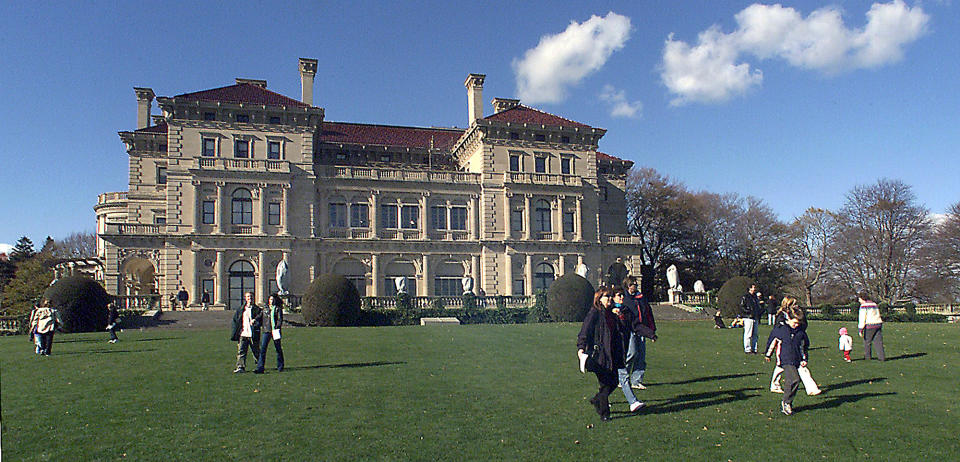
x,y
730,294
569,298
82,303
331,300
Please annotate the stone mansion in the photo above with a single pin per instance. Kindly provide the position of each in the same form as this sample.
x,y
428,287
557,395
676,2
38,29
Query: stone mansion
x,y
227,182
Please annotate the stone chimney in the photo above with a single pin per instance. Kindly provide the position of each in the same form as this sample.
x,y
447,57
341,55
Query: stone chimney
x,y
308,70
144,105
502,104
259,83
474,84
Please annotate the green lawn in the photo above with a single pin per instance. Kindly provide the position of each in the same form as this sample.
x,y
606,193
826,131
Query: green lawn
x,y
479,392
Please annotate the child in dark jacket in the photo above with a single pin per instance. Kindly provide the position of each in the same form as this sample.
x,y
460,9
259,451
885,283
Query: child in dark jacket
x,y
791,344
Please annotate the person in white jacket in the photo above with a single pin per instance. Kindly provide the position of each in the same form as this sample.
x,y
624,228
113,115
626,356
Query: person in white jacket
x,y
845,344
870,325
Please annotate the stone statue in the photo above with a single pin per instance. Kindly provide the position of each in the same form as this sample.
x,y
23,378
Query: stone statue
x,y
401,283
283,279
673,277
582,270
698,287
467,283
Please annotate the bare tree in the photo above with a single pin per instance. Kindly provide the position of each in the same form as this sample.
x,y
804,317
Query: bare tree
x,y
940,260
77,245
656,210
805,249
880,233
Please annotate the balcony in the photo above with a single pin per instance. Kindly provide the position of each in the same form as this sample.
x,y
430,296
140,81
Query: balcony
x,y
349,233
132,229
106,198
541,178
621,239
245,229
423,176
400,234
243,165
441,235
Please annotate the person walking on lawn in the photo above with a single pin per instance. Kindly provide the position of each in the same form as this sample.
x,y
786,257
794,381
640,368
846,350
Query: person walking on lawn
x,y
636,360
790,343
601,335
750,314
870,326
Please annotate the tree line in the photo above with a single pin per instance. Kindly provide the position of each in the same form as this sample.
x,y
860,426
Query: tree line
x,y
27,272
880,240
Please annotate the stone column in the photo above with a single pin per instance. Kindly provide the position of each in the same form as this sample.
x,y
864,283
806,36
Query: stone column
x,y
475,273
508,272
558,219
425,290
375,274
262,280
374,216
220,281
473,213
528,274
197,285
526,217
263,208
423,215
323,217
507,215
578,221
563,264
219,208
285,214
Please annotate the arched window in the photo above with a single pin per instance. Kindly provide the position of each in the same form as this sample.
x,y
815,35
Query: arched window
x,y
542,276
242,280
542,216
242,207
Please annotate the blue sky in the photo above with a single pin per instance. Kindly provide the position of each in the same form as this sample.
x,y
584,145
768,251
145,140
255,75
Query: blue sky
x,y
794,104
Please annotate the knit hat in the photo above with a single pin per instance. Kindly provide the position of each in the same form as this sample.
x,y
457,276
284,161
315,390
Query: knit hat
x,y
843,331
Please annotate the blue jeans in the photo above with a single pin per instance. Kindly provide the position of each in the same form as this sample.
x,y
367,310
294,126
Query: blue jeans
x,y
265,338
749,335
636,362
625,386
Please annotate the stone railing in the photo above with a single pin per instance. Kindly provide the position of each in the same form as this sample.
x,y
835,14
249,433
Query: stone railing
x,y
245,229
541,178
138,302
13,324
620,239
453,301
427,176
698,298
111,197
247,165
440,235
132,228
349,233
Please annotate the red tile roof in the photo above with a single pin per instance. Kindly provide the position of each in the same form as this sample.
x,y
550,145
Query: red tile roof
x,y
158,128
389,135
605,156
524,114
243,93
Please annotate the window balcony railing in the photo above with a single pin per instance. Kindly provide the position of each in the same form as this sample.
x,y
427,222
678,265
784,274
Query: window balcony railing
x,y
424,176
445,235
241,229
132,228
541,178
349,233
245,165
620,239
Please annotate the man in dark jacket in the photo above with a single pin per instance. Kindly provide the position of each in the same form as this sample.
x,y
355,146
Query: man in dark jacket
x,y
246,331
750,313
183,297
790,343
636,362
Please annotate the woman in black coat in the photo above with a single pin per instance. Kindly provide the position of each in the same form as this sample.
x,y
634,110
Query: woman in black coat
x,y
602,327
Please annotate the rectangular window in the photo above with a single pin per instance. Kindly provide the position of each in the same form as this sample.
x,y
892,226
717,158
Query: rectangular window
x,y
159,220
209,212
542,217
447,287
243,118
438,217
409,217
518,287
568,220
390,286
516,220
388,216
338,215
274,120
273,149
273,213
241,149
458,218
206,285
564,139
209,147
272,286
161,175
540,137
540,164
242,211
565,163
359,216
360,282
514,162
386,157
209,116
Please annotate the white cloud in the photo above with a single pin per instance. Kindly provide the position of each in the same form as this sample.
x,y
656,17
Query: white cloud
x,y
564,59
619,105
5,248
711,71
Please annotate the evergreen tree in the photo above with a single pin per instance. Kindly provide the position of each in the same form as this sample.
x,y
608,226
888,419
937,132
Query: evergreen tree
x,y
33,276
49,246
23,250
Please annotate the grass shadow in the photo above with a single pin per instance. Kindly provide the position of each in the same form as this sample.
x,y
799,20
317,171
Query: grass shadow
x,y
693,401
101,352
337,366
80,340
851,383
906,356
705,379
156,339
836,401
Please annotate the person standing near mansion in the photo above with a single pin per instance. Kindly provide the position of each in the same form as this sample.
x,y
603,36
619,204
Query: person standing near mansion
x,y
636,362
246,331
870,325
772,306
270,320
205,300
183,297
750,314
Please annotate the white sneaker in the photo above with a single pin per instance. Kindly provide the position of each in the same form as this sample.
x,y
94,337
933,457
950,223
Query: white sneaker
x,y
776,390
639,386
636,406
814,392
238,370
786,408
113,341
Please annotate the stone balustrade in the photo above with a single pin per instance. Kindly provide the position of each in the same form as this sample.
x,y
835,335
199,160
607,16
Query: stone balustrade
x,y
424,176
245,165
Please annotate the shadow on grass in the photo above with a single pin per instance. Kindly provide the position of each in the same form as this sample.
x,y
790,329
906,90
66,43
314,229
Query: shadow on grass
x,y
693,401
336,366
156,339
80,340
836,401
851,383
906,356
706,379
101,352
818,348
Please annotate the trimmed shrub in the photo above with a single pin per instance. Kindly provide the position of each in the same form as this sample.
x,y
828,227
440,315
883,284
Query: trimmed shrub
x,y
331,300
82,303
437,304
569,298
538,311
730,294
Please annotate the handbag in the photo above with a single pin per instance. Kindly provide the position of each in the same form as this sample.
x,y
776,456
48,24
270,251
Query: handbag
x,y
594,356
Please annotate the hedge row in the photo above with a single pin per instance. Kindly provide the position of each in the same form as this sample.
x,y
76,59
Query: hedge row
x,y
390,317
888,317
